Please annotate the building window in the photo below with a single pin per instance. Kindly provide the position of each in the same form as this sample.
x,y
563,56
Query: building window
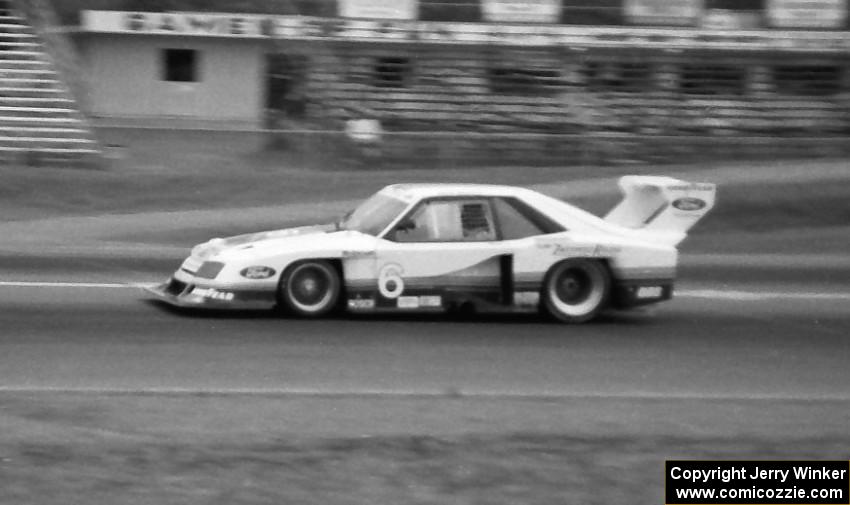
x,y
713,80
180,65
525,81
451,10
807,80
624,77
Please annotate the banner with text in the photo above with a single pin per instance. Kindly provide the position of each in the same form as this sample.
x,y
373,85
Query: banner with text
x,y
727,19
663,12
522,11
821,14
179,23
378,9
307,28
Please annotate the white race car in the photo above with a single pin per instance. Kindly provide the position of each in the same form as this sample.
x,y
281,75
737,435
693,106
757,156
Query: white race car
x,y
434,247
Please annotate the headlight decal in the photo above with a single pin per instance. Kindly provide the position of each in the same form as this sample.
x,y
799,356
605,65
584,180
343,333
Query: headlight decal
x,y
209,270
257,272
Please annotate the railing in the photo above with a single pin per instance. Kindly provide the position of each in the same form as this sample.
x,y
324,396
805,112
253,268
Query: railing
x,y
455,149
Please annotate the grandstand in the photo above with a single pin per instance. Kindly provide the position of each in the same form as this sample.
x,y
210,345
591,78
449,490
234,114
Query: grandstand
x,y
554,81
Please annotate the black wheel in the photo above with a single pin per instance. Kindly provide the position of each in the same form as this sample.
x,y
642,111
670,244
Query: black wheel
x,y
310,288
575,290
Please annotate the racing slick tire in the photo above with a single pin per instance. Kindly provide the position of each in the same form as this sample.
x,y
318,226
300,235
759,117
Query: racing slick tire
x,y
575,290
310,288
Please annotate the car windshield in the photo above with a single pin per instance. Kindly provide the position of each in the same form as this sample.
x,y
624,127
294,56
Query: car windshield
x,y
373,215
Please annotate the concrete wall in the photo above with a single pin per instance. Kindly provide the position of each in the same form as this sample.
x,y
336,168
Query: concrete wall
x,y
125,78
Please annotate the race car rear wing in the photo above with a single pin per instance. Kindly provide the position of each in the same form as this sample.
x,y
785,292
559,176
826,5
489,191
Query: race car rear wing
x,y
664,205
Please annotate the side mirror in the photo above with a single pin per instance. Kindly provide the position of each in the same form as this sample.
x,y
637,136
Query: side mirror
x,y
339,224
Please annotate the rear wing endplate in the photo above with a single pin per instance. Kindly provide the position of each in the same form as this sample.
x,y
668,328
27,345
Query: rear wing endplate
x,y
664,205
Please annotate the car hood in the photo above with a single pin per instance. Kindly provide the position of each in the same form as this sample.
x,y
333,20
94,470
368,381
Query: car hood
x,y
320,238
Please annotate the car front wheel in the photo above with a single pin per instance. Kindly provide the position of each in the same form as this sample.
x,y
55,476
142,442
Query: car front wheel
x,y
310,288
575,290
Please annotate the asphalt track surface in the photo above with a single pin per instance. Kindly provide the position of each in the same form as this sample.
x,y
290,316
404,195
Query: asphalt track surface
x,y
761,332
754,339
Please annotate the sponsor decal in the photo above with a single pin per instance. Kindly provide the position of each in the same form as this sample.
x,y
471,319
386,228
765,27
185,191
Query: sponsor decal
x,y
430,301
526,298
408,302
580,250
213,294
361,303
257,272
358,254
649,292
390,283
689,204
696,186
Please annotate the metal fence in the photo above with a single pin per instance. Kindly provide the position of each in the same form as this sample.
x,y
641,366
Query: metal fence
x,y
455,149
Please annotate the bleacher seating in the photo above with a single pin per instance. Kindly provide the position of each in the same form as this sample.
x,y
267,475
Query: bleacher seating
x,y
526,104
599,82
39,119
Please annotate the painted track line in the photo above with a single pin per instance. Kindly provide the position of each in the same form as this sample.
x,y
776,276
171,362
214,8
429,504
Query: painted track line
x,y
744,296
714,294
424,394
95,285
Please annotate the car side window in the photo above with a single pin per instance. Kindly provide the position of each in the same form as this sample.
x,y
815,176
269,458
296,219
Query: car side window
x,y
517,220
466,220
476,221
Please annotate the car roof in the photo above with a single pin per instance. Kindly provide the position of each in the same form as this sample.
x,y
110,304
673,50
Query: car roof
x,y
418,191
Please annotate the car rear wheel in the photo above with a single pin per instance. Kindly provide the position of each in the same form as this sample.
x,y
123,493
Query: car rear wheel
x,y
575,290
310,288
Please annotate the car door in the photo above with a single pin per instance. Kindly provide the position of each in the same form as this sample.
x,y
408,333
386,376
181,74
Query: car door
x,y
443,252
527,234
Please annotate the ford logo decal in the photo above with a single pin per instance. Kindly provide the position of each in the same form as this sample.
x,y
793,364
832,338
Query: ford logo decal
x,y
258,272
689,204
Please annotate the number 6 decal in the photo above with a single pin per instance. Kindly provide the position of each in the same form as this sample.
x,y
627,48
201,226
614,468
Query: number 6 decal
x,y
390,283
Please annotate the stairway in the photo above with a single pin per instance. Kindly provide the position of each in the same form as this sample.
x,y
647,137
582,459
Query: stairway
x,y
39,119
